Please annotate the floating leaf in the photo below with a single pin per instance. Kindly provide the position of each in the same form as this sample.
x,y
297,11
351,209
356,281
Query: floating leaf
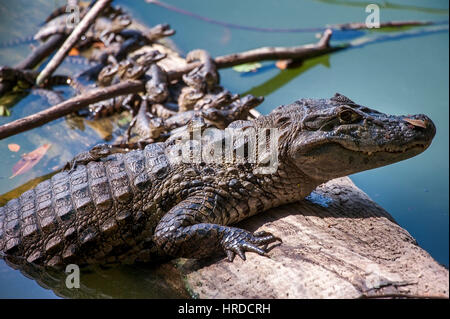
x,y
247,67
29,160
99,45
14,147
74,52
419,123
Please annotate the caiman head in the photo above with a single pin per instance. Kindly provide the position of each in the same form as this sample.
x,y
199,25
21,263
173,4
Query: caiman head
x,y
329,138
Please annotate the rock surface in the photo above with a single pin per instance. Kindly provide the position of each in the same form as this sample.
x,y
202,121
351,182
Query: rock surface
x,y
337,244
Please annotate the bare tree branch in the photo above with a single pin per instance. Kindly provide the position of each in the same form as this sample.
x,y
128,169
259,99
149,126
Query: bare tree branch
x,y
73,38
71,105
267,53
393,24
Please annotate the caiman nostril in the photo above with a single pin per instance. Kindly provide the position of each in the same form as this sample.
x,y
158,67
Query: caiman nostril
x,y
416,122
423,124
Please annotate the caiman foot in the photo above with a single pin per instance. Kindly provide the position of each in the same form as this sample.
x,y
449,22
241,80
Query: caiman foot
x,y
238,241
191,229
97,153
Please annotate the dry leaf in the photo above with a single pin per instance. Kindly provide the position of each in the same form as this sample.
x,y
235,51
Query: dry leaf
x,y
14,147
419,123
283,64
29,160
74,52
288,63
99,45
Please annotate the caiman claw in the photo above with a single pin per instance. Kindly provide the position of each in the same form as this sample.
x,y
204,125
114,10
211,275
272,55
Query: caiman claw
x,y
238,241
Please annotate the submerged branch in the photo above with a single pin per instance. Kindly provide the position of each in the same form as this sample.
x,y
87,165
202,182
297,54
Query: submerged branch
x,y
389,24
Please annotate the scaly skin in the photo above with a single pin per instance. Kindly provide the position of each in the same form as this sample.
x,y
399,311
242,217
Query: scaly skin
x,y
126,206
145,124
220,118
239,109
205,77
188,98
114,73
149,57
156,87
216,100
107,74
162,111
113,105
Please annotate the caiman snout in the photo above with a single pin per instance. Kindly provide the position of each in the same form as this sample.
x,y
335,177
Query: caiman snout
x,y
421,127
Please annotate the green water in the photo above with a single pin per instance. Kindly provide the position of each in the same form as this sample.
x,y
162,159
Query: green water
x,y
405,75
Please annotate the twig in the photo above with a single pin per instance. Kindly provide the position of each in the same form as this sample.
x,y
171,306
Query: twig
x,y
71,105
267,53
279,53
389,24
72,40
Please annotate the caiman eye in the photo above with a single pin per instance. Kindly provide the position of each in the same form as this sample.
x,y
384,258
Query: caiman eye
x,y
349,116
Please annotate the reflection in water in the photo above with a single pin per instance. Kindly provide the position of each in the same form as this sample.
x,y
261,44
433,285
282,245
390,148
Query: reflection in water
x,y
362,42
17,41
286,76
119,281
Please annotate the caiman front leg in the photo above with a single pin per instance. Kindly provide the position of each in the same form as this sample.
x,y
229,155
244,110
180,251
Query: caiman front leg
x,y
194,229
97,153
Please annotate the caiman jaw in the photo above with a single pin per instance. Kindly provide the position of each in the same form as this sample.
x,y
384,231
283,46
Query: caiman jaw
x,y
398,136
418,146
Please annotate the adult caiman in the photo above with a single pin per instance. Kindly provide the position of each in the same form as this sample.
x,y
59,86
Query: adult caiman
x,y
125,207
